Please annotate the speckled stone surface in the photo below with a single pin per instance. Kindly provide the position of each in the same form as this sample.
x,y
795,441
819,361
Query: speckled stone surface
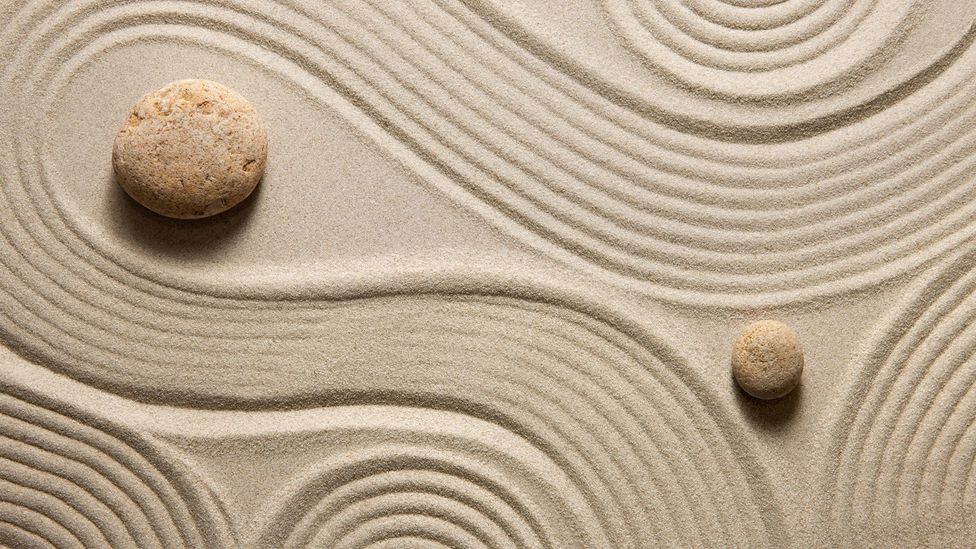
x,y
192,149
767,360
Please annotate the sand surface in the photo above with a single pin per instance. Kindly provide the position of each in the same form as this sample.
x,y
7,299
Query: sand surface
x,y
487,291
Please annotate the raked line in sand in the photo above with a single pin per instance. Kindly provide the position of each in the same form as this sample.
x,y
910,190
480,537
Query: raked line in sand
x,y
650,206
727,154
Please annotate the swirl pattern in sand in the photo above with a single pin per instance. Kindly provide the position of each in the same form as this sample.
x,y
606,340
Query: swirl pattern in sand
x,y
904,441
435,475
703,155
73,482
775,195
538,452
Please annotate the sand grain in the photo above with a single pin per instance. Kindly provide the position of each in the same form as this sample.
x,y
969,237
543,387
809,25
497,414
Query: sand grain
x,y
606,186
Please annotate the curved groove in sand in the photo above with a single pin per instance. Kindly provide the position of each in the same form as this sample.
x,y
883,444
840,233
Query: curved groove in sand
x,y
417,491
110,310
655,456
905,442
774,16
706,209
368,324
799,41
869,213
830,72
649,237
77,484
492,500
514,484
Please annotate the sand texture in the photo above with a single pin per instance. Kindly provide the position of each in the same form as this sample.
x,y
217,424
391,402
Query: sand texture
x,y
487,290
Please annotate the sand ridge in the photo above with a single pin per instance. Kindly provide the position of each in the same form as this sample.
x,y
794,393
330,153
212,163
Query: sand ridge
x,y
72,480
900,460
703,159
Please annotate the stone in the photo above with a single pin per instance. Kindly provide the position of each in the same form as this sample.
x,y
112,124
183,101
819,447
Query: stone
x,y
767,360
192,149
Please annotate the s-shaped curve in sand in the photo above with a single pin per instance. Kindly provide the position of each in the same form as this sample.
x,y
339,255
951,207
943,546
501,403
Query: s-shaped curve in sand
x,y
642,453
644,205
692,190
407,338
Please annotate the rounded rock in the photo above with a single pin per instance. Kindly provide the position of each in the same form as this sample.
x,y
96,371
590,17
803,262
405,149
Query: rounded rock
x,y
192,149
767,360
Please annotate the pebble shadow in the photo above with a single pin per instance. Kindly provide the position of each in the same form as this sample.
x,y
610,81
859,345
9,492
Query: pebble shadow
x,y
180,238
769,415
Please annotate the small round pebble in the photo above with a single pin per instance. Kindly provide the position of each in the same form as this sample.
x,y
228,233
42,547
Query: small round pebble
x,y
192,149
767,360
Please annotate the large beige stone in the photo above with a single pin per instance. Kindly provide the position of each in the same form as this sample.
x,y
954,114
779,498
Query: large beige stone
x,y
767,360
191,149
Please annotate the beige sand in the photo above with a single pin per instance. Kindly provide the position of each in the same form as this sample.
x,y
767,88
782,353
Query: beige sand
x,y
487,291
767,359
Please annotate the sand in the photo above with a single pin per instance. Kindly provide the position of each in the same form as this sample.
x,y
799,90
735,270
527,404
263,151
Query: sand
x,y
487,291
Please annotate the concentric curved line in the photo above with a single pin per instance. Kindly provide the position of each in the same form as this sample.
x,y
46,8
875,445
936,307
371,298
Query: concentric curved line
x,y
183,341
493,481
23,527
422,504
905,430
383,528
330,520
799,41
78,485
679,275
507,526
624,427
753,18
86,310
408,542
33,510
744,119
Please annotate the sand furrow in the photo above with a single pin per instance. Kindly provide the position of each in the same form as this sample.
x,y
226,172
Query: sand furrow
x,y
573,387
900,443
97,488
710,157
602,228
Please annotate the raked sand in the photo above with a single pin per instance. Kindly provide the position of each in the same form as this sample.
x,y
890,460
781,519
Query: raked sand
x,y
487,291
